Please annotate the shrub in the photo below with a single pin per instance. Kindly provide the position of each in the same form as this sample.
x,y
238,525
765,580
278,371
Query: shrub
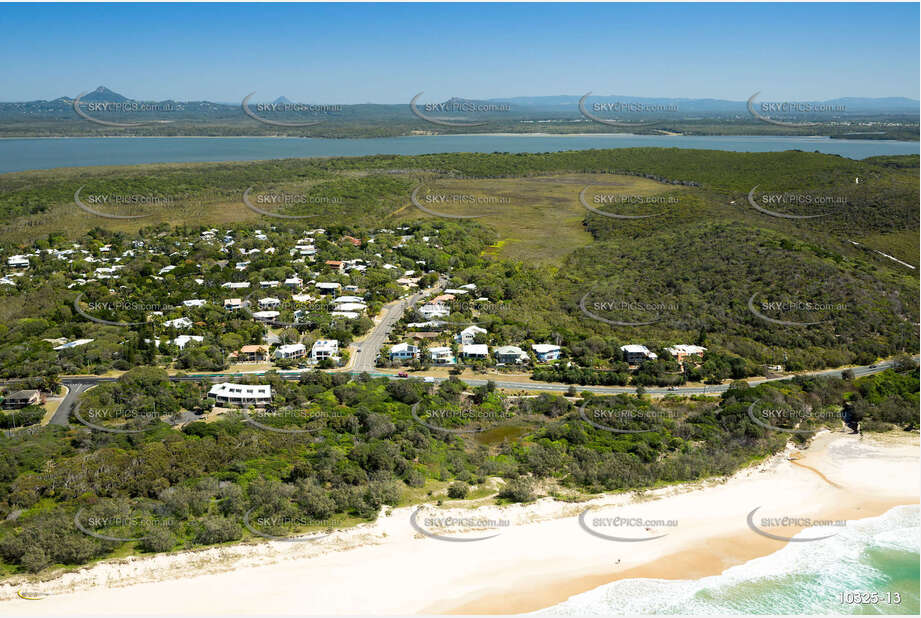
x,y
518,490
458,490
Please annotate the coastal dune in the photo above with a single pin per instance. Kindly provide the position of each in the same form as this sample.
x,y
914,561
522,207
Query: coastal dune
x,y
525,558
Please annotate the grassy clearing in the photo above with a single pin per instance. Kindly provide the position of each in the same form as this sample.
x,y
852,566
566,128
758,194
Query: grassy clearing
x,y
537,219
902,245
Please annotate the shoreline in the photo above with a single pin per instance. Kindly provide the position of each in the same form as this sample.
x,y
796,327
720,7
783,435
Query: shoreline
x,y
691,563
523,134
540,560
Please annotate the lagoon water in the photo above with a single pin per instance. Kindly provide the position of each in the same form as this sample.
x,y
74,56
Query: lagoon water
x,y
44,153
879,554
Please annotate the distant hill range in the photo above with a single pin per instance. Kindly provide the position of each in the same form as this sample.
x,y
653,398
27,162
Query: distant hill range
x,y
850,104
847,118
564,103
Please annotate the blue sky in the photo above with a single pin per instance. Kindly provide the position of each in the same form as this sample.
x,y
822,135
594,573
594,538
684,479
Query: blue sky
x,y
386,53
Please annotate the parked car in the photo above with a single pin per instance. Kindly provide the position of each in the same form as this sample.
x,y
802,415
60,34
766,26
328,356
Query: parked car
x,y
402,374
428,380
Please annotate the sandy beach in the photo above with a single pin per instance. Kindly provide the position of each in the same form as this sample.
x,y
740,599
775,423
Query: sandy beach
x,y
540,558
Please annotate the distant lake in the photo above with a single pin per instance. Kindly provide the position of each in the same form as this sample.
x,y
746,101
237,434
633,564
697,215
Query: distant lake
x,y
28,154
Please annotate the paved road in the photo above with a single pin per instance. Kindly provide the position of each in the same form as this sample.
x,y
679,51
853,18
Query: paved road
x,y
364,354
680,390
534,386
80,384
75,389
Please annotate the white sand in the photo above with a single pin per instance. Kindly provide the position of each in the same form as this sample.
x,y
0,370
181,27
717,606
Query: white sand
x,y
388,567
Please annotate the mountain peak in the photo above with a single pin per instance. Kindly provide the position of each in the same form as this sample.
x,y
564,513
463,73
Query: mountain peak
x,y
104,94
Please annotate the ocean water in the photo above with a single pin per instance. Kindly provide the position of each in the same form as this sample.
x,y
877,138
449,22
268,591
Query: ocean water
x,y
20,154
878,554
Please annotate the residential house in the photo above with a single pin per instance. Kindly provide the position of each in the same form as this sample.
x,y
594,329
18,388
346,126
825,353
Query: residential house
x,y
290,351
269,303
327,287
441,356
682,351
253,353
74,344
424,334
349,315
468,335
347,299
178,323
183,340
241,394
21,399
475,350
403,351
232,304
350,308
636,354
265,316
511,355
546,352
434,311
325,348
